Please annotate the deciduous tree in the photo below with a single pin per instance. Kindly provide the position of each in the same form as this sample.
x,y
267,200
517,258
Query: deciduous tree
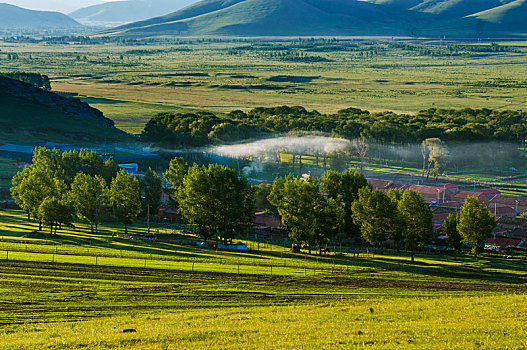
x,y
89,197
217,201
475,224
417,217
125,197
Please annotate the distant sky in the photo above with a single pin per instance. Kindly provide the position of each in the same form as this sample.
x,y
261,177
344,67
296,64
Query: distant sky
x,y
65,6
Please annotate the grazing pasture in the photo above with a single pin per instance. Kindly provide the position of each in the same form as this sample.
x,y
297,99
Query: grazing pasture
x,y
78,289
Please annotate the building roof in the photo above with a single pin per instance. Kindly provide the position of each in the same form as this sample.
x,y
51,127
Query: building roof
x,y
489,191
509,200
447,186
441,217
379,184
267,221
504,241
426,189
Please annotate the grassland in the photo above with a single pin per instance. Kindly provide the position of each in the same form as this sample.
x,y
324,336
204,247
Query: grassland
x,y
131,83
81,290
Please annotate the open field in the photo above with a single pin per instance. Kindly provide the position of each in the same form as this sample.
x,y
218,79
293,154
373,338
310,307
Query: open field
x,y
81,290
131,83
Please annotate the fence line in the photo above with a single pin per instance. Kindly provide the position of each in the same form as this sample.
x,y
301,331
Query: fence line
x,y
184,266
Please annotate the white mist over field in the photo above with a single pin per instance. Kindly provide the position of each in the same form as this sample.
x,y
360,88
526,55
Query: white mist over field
x,y
293,144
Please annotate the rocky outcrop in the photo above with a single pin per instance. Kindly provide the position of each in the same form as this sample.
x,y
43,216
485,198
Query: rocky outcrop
x,y
67,105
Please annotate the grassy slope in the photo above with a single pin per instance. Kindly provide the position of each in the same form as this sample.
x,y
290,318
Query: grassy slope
x,y
16,17
23,121
279,17
512,15
438,302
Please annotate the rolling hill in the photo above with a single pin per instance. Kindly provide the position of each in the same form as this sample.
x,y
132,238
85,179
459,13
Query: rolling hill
x,y
445,8
279,18
29,114
120,12
512,15
15,18
454,18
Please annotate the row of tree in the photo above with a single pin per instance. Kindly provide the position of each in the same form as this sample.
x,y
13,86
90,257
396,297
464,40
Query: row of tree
x,y
60,186
221,204
315,211
197,129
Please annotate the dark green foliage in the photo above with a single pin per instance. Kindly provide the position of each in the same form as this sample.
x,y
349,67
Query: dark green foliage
x,y
376,214
89,197
151,191
344,189
447,124
35,79
309,216
125,196
475,224
195,129
176,172
417,218
217,201
55,212
262,203
450,229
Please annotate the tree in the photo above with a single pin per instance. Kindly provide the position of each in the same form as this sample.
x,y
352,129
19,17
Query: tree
x,y
32,186
396,196
435,156
475,224
151,191
55,212
261,200
125,197
375,213
89,197
417,217
217,201
343,189
451,231
177,170
308,215
361,147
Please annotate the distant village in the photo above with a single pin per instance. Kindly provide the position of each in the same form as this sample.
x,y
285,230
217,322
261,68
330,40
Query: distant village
x,y
510,231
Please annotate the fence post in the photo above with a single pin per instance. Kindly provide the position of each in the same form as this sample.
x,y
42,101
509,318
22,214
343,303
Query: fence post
x,y
120,253
7,255
238,269
145,263
53,258
193,266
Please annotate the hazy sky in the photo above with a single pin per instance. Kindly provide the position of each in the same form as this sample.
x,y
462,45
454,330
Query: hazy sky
x,y
65,6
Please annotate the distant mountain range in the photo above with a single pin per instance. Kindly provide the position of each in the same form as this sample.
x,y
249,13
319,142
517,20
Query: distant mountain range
x,y
16,18
432,18
121,12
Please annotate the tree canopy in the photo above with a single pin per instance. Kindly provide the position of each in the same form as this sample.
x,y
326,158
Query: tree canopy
x,y
475,224
217,201
197,129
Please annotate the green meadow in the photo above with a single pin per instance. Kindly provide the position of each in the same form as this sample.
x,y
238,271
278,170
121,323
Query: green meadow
x,y
84,290
130,83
